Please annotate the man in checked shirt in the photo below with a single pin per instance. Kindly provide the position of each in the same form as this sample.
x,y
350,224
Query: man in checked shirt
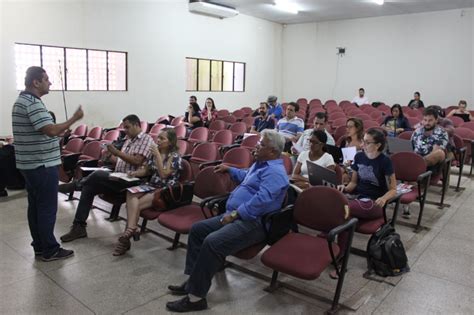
x,y
135,151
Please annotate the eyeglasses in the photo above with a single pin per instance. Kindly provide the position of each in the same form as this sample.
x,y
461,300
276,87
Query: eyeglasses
x,y
315,142
368,142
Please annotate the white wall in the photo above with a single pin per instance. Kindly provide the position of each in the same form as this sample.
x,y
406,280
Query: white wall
x,y
391,57
157,35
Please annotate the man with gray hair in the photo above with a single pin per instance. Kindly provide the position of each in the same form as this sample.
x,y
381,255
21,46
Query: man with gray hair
x,y
262,190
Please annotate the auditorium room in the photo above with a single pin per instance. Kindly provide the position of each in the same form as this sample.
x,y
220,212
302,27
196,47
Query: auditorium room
x,y
234,156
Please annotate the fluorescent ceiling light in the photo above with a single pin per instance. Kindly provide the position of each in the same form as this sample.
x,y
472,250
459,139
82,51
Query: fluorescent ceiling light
x,y
379,2
287,6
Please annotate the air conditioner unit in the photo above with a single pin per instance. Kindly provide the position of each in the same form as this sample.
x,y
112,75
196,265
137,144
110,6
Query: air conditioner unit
x,y
212,9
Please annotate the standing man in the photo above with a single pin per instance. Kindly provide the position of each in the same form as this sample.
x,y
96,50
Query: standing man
x,y
38,157
361,98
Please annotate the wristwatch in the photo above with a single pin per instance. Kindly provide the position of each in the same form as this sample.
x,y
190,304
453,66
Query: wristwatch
x,y
234,214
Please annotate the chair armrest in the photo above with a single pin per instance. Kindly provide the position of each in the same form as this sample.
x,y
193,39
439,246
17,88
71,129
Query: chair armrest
x,y
424,178
212,202
278,223
203,165
395,200
70,161
223,149
186,157
351,224
88,163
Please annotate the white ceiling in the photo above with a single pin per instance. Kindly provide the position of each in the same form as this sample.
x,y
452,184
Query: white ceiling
x,y
327,10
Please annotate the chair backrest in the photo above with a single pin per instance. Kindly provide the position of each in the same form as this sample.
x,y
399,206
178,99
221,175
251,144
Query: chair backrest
x,y
229,119
339,132
336,115
93,149
182,146
111,135
249,120
216,125
161,119
370,124
206,151
457,121
180,131
74,145
156,129
238,128
186,173
208,183
199,134
458,142
321,208
339,122
223,137
376,114
405,135
468,125
464,133
238,157
222,113
247,110
250,142
177,121
80,131
287,163
144,126
238,114
413,121
95,133
408,165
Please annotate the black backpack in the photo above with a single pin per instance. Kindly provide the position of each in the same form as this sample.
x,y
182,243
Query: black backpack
x,y
385,253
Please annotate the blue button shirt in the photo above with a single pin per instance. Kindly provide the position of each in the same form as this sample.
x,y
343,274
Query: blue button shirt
x,y
262,189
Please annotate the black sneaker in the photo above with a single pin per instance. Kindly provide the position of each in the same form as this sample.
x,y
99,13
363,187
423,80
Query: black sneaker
x,y
3,193
60,254
178,289
185,305
68,188
77,231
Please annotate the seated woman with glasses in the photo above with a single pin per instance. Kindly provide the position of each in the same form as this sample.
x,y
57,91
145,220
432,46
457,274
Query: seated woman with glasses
x,y
164,168
316,154
373,178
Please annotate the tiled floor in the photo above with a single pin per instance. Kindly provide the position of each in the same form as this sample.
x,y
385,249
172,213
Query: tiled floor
x,y
95,282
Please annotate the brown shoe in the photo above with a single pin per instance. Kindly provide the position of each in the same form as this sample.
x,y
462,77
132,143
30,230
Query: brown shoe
x,y
77,231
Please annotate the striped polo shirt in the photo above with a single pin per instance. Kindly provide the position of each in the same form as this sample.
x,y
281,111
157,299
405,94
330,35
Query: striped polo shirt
x,y
32,147
290,127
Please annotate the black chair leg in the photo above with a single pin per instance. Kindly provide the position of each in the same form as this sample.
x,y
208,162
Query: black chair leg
x,y
143,227
274,283
175,242
70,196
114,213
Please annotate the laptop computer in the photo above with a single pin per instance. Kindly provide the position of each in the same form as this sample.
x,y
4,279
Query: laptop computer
x,y
398,145
464,117
336,153
319,175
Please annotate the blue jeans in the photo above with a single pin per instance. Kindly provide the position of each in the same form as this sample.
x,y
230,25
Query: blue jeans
x,y
209,243
42,188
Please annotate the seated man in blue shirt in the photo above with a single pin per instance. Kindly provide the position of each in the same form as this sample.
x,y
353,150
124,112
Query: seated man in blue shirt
x,y
262,190
263,121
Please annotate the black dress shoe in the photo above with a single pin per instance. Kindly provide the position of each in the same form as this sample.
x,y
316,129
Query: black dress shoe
x,y
3,193
68,187
178,289
185,305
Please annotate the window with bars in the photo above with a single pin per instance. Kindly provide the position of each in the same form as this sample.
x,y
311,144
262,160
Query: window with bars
x,y
74,69
214,75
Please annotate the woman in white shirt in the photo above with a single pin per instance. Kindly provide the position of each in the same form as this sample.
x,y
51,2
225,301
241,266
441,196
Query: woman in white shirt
x,y
315,154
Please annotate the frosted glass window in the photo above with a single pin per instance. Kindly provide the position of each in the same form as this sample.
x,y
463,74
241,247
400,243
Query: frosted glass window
x,y
117,62
25,57
216,75
53,63
191,74
76,69
97,67
228,76
204,73
239,77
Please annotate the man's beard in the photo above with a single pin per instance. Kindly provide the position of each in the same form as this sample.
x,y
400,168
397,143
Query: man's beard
x,y
430,128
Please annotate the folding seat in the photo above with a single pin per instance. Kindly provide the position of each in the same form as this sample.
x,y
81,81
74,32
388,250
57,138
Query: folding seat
x,y
235,157
80,131
335,116
415,173
457,121
155,130
362,116
197,135
467,137
340,132
315,102
370,124
305,255
144,126
468,125
339,122
207,184
302,102
215,126
177,121
238,114
376,114
287,163
153,213
330,103
247,110
249,121
222,113
162,119
182,146
405,135
110,136
93,134
413,121
229,119
238,129
202,153
73,146
180,131
223,138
